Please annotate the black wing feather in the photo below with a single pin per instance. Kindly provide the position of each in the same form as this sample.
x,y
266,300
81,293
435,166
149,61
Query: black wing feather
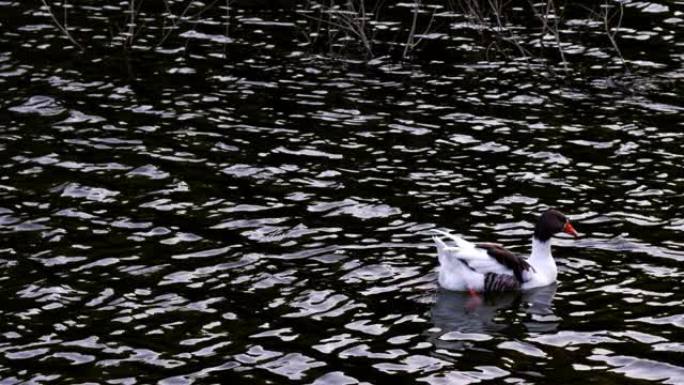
x,y
497,283
506,258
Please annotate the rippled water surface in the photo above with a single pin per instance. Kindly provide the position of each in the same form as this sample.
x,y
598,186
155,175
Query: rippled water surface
x,y
238,208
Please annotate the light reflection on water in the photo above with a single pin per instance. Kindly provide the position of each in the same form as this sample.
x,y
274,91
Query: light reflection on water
x,y
177,217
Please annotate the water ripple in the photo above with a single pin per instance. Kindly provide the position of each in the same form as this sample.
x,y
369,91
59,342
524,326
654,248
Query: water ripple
x,y
222,204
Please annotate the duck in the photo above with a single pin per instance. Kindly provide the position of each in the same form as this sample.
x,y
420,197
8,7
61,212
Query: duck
x,y
488,267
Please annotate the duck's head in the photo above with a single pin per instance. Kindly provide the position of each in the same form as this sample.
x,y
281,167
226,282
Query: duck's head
x,y
552,222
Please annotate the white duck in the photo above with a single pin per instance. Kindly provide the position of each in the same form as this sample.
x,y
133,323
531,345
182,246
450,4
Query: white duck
x,y
487,267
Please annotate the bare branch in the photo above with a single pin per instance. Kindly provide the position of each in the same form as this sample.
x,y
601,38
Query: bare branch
x,y
61,27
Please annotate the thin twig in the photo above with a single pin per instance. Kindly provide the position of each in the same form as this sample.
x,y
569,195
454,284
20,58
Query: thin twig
x,y
131,23
409,40
607,19
228,18
546,28
427,29
513,38
180,18
611,36
556,33
61,28
350,20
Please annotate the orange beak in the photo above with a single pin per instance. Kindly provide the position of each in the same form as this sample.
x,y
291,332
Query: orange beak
x,y
570,230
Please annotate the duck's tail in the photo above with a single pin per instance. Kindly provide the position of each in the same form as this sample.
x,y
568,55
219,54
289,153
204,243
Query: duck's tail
x,y
442,250
445,252
459,242
454,271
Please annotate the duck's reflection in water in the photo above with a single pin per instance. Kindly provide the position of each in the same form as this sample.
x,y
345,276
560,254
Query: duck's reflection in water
x,y
462,320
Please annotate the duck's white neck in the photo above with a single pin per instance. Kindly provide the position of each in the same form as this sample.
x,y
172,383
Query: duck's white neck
x,y
541,250
542,260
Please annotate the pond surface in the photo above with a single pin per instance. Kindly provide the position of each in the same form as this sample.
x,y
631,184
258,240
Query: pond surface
x,y
243,210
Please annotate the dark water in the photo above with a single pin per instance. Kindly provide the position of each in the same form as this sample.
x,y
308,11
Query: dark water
x,y
242,210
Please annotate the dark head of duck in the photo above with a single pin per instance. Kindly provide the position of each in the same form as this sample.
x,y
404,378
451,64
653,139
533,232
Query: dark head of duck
x,y
552,222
